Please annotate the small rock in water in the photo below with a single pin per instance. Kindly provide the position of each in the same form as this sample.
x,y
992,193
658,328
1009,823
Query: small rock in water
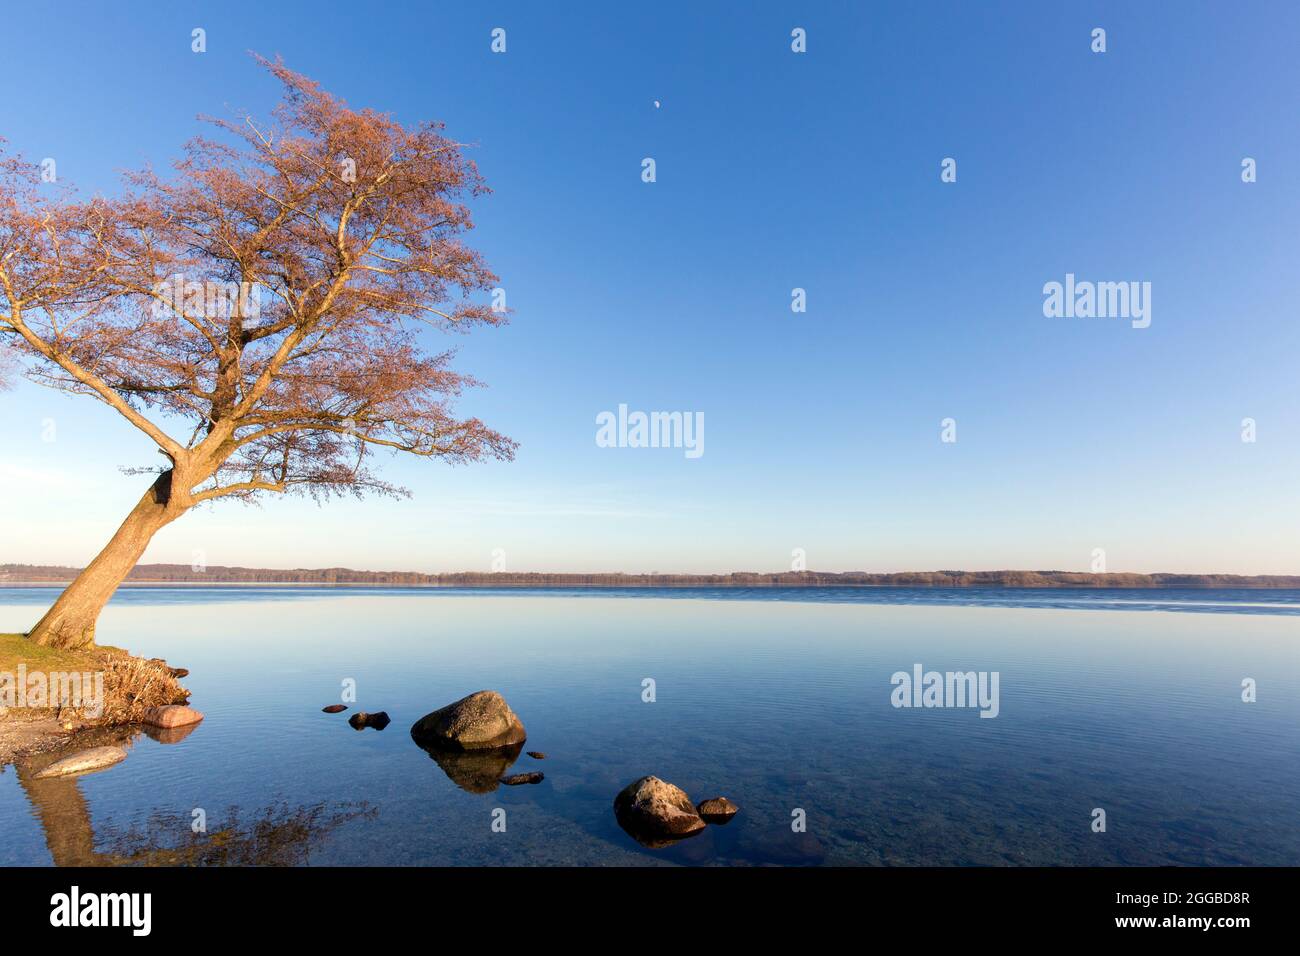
x,y
514,780
717,810
536,754
88,761
334,709
361,720
171,715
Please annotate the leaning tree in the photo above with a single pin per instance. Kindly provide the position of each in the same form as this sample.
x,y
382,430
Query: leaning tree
x,y
257,313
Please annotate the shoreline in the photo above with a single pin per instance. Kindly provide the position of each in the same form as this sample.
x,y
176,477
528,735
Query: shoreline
x,y
672,585
158,574
124,687
25,738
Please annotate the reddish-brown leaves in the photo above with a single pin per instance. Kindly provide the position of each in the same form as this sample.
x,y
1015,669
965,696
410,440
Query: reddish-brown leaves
x,y
345,224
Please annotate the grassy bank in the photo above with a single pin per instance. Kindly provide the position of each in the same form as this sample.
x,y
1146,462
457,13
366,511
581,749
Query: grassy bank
x,y
16,649
130,685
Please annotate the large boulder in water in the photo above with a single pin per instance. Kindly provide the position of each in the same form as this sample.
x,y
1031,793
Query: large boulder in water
x,y
656,813
481,721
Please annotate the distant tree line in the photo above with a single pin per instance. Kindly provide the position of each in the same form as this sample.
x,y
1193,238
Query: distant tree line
x,y
185,574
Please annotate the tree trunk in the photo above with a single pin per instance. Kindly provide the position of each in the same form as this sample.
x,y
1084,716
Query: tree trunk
x,y
70,623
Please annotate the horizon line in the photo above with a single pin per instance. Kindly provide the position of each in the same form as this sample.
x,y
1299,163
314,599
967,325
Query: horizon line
x,y
14,574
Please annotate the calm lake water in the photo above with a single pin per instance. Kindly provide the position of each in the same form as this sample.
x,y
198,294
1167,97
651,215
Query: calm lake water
x,y
1128,701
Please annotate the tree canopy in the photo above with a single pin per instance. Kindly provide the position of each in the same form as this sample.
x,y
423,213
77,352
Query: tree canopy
x,y
265,299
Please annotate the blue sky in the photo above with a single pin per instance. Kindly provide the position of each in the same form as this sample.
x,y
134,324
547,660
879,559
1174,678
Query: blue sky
x,y
775,170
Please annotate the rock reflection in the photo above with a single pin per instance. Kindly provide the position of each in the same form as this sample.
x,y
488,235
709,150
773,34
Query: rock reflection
x,y
649,837
477,771
169,735
280,835
652,841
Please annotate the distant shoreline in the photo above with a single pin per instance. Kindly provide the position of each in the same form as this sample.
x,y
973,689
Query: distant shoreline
x,y
182,576
344,585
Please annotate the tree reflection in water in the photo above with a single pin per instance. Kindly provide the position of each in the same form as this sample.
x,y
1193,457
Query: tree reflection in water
x,y
279,835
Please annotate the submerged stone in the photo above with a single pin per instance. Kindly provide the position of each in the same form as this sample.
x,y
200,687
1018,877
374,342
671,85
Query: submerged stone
x,y
515,780
88,761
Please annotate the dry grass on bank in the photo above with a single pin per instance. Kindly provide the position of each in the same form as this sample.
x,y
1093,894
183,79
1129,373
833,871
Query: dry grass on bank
x,y
131,684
